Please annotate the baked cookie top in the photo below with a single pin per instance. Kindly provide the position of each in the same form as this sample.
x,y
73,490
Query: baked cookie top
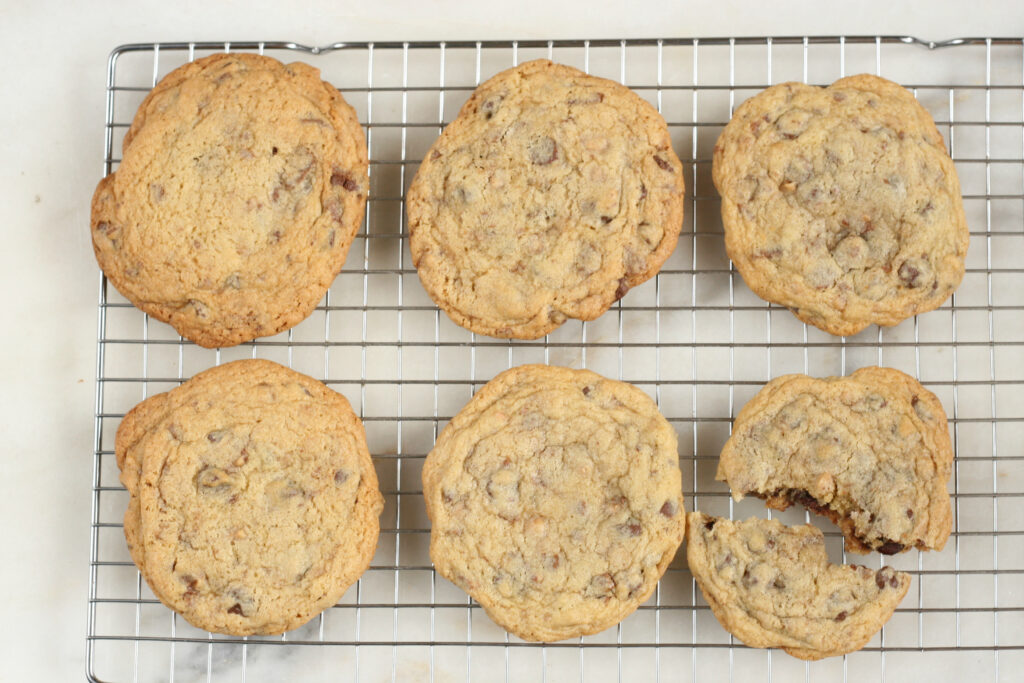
x,y
841,203
555,500
241,185
548,197
772,586
871,451
254,502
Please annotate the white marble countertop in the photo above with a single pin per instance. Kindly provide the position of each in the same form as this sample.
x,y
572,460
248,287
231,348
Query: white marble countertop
x,y
52,118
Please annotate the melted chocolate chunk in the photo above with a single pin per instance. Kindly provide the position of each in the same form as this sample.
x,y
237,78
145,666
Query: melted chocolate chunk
x,y
621,290
345,180
891,548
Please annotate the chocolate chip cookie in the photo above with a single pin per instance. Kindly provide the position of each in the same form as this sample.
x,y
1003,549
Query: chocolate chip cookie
x,y
772,586
549,196
555,500
841,203
870,451
253,499
241,186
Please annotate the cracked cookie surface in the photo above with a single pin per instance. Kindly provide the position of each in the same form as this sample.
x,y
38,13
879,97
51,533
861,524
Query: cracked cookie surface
x,y
871,451
253,499
242,184
772,586
555,500
841,203
547,198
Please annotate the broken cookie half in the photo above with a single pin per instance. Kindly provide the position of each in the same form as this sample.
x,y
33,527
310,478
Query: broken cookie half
x,y
870,451
772,586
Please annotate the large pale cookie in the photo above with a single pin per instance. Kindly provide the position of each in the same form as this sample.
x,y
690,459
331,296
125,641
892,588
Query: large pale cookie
x,y
253,499
870,451
841,203
547,198
241,185
555,500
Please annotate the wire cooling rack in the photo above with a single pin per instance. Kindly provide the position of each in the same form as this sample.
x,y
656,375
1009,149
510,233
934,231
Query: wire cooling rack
x,y
694,337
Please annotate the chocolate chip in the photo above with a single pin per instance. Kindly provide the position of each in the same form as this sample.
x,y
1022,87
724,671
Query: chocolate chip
x,y
910,513
643,192
211,479
630,528
808,501
199,307
273,151
236,609
216,435
909,274
605,220
662,164
586,391
543,151
748,578
345,180
710,524
921,408
341,476
841,616
779,584
621,290
668,509
491,105
886,575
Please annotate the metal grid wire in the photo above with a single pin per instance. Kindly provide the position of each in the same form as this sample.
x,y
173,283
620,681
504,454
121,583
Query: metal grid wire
x,y
694,337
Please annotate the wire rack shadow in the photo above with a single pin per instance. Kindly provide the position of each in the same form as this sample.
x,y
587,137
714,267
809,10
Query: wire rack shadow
x,y
694,337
